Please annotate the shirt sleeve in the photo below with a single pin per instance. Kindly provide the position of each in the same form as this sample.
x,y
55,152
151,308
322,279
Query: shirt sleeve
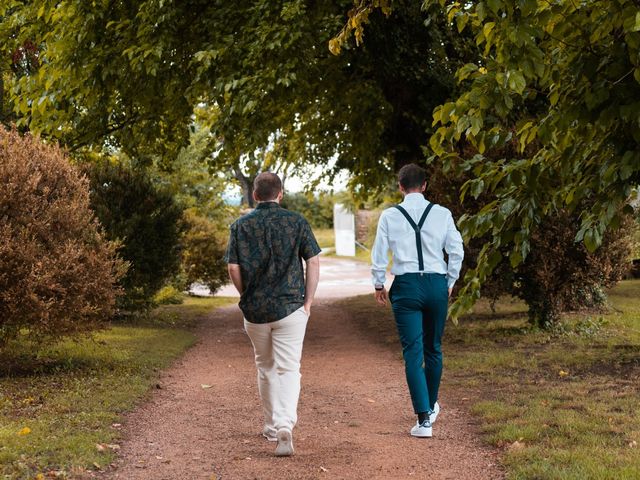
x,y
231,256
455,249
380,252
309,246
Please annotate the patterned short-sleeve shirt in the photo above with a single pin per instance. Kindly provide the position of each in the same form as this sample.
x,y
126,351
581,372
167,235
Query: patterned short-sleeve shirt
x,y
269,244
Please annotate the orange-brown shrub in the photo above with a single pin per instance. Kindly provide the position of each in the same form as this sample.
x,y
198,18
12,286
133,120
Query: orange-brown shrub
x,y
57,272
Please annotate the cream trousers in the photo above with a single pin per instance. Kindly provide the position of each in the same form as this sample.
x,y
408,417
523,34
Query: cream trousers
x,y
278,350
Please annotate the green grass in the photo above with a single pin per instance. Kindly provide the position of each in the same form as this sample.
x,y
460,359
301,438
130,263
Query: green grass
x,y
69,395
571,399
326,239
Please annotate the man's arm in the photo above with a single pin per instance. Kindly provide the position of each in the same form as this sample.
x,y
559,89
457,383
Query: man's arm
x,y
455,249
380,260
236,276
311,281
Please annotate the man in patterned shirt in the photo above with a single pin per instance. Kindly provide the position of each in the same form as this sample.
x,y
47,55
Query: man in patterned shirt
x,y
264,256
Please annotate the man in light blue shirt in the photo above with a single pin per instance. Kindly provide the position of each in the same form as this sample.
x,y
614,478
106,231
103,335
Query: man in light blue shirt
x,y
418,233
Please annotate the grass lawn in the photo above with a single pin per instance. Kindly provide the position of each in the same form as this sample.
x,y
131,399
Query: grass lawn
x,y
58,404
326,239
560,406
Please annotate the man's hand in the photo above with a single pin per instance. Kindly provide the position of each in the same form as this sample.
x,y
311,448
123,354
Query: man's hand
x,y
235,274
381,297
311,282
450,290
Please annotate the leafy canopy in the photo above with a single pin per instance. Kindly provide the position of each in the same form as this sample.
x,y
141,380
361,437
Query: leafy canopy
x,y
129,75
547,119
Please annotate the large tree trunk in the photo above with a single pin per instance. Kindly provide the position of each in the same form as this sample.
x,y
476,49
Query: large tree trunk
x,y
246,184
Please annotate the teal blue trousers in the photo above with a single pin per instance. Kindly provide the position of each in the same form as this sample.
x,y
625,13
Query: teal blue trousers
x,y
420,302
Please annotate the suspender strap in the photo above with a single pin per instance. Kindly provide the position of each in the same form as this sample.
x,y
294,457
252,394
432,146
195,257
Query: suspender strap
x,y
416,228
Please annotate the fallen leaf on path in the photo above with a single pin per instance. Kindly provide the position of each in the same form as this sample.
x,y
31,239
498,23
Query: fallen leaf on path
x,y
101,447
322,469
633,444
116,425
370,400
25,431
204,385
113,446
158,457
464,399
563,373
97,466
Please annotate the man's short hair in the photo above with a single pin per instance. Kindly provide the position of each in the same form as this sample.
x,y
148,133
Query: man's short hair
x,y
412,176
267,186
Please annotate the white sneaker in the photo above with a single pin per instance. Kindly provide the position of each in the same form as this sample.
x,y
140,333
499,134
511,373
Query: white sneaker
x,y
422,429
269,434
285,443
434,414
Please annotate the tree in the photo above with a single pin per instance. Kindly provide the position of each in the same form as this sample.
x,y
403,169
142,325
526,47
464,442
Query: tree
x,y
58,273
147,222
576,61
263,65
561,80
206,215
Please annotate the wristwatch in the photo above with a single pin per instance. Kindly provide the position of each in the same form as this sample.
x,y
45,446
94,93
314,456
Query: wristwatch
x,y
379,286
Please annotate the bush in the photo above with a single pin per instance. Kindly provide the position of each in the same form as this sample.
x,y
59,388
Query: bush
x,y
147,222
204,244
318,211
57,271
561,275
168,295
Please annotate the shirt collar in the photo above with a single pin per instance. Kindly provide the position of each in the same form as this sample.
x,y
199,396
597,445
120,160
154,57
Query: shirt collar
x,y
267,205
414,199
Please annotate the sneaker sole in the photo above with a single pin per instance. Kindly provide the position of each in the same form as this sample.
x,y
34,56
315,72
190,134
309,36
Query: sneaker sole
x,y
285,443
429,434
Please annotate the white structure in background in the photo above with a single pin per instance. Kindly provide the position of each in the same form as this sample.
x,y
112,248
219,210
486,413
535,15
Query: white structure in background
x,y
344,225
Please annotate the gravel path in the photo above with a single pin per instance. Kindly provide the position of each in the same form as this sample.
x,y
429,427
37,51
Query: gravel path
x,y
354,414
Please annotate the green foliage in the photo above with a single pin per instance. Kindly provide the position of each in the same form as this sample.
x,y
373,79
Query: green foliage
x,y
168,295
131,74
204,244
317,210
147,222
560,275
560,81
58,273
207,217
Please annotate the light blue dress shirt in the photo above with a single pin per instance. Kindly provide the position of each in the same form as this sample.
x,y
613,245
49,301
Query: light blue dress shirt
x,y
395,233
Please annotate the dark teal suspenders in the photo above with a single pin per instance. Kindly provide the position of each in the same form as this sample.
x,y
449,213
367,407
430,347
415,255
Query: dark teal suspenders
x,y
416,229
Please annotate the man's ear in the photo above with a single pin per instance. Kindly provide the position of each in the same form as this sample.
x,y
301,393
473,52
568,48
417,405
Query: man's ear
x,y
424,186
255,197
280,195
400,188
